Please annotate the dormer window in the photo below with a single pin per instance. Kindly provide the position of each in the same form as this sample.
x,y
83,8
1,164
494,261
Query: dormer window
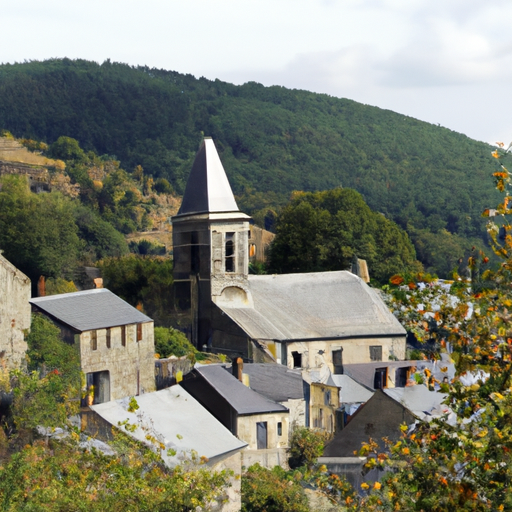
x,y
229,252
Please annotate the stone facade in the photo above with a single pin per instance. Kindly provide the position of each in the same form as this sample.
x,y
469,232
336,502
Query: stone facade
x,y
119,361
315,354
277,427
14,314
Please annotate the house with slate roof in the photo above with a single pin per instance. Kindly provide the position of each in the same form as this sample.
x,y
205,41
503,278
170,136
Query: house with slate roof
x,y
278,383
299,320
177,421
262,423
115,341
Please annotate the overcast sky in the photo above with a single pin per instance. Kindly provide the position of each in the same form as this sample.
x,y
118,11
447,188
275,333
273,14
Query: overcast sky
x,y
447,62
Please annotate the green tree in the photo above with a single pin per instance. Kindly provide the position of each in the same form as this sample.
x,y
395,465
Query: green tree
x,y
324,230
142,281
271,490
169,341
37,232
66,148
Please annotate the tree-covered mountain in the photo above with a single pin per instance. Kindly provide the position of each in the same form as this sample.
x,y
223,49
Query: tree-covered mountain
x,y
272,141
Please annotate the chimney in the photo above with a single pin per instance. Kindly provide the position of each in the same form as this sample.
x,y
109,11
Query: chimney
x,y
98,282
237,367
41,287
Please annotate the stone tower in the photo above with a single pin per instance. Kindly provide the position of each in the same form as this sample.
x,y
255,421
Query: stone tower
x,y
210,239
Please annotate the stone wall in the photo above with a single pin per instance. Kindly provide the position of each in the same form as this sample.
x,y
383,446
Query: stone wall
x,y
14,313
246,429
130,364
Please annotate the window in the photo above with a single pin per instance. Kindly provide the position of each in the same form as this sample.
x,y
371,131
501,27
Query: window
x,y
139,332
327,397
123,335
279,428
94,340
337,361
376,353
381,378
297,359
229,254
108,338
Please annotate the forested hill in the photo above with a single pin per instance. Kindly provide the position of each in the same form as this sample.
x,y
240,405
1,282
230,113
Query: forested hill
x,y
272,140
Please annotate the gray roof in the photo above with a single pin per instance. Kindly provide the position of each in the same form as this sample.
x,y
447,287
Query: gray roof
x,y
350,391
89,309
364,373
177,420
310,306
419,400
274,381
207,188
242,399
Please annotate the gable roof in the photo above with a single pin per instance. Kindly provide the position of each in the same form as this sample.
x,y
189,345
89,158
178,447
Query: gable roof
x,y
319,305
350,390
175,418
274,381
89,309
242,399
207,189
425,404
379,417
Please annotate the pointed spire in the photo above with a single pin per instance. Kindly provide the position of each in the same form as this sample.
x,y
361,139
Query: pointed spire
x,y
208,188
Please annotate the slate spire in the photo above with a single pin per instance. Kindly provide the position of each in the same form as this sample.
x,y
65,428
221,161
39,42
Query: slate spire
x,y
208,188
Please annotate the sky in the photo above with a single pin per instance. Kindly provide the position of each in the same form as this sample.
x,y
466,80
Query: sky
x,y
448,62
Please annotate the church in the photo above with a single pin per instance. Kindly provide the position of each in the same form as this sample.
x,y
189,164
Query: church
x,y
307,321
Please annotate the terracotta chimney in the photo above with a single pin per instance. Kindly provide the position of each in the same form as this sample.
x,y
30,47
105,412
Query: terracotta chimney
x,y
238,367
41,287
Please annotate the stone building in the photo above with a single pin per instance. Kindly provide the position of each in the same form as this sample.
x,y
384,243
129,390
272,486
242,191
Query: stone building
x,y
262,423
299,320
115,340
14,314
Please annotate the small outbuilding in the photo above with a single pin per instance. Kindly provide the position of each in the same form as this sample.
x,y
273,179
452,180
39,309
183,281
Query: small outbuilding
x,y
262,423
115,341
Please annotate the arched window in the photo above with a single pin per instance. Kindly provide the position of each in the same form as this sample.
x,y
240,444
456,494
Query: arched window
x,y
229,252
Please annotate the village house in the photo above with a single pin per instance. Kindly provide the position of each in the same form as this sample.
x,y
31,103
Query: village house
x,y
14,314
299,320
277,383
115,341
262,423
175,419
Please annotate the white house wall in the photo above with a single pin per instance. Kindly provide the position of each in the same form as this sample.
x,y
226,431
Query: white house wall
x,y
355,351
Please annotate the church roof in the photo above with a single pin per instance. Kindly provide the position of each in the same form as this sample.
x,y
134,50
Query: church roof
x,y
208,189
312,306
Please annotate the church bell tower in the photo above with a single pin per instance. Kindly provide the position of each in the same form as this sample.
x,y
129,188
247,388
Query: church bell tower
x,y
210,239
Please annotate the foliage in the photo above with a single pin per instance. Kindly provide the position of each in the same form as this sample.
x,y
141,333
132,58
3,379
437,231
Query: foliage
x,y
463,464
142,282
272,140
63,476
146,247
319,231
37,232
306,446
58,285
271,490
169,341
